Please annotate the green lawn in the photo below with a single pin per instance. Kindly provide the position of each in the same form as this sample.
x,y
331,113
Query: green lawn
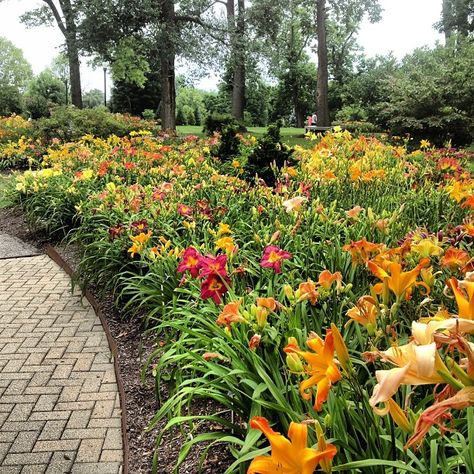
x,y
291,136
5,180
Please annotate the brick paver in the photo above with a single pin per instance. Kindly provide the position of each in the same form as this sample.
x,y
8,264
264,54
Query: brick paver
x,y
59,402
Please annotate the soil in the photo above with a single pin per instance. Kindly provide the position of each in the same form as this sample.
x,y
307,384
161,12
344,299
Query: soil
x,y
134,348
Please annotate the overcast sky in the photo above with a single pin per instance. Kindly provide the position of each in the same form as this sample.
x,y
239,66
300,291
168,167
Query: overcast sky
x,y
406,24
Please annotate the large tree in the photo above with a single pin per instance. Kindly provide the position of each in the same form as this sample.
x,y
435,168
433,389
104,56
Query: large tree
x,y
457,16
346,17
66,14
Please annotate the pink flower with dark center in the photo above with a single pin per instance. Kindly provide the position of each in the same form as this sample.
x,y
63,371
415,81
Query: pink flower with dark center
x,y
190,262
273,256
210,264
185,210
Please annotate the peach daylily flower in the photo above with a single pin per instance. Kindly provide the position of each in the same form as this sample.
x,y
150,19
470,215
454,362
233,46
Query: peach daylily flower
x,y
416,365
354,212
288,456
294,204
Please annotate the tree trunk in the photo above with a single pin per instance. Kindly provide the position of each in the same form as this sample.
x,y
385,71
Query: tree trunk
x,y
74,73
322,106
69,30
446,17
167,69
238,62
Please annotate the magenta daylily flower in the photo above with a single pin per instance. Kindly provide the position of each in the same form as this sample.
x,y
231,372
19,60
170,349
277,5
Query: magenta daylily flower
x,y
190,262
273,256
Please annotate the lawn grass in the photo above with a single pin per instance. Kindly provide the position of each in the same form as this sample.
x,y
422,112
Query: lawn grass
x,y
5,181
291,136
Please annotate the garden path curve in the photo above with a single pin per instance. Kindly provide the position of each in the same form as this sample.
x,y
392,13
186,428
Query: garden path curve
x,y
59,399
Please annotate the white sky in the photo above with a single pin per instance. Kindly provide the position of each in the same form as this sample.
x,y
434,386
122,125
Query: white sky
x,y
406,24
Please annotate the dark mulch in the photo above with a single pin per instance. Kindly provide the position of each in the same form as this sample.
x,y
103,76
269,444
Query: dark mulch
x,y
134,347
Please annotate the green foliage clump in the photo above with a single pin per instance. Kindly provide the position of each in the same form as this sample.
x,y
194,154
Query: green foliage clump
x,y
69,123
217,122
268,154
229,145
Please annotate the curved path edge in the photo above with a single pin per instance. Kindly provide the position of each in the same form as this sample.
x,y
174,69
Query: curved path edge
x,y
57,258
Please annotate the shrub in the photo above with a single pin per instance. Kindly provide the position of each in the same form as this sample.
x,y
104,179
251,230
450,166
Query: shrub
x,y
359,127
270,152
217,122
69,123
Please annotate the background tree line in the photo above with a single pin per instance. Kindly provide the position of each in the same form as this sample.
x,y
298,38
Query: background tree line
x,y
265,52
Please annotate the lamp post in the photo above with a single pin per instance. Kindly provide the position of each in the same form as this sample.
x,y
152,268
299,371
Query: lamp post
x,y
105,86
67,91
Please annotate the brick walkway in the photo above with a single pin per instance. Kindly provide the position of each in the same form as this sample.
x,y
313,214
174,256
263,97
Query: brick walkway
x,y
59,403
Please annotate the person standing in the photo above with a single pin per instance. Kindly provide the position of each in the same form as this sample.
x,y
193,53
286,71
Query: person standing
x,y
314,119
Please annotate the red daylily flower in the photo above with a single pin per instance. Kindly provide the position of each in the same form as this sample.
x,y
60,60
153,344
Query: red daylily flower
x,y
210,265
214,287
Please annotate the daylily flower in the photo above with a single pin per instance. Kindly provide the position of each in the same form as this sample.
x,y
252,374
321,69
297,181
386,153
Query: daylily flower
x,y
214,287
230,314
464,299
398,282
354,212
361,250
416,365
139,242
294,204
190,262
288,456
454,259
426,248
224,229
321,366
307,291
270,303
273,256
326,279
185,210
365,312
226,243
210,264
436,414
255,341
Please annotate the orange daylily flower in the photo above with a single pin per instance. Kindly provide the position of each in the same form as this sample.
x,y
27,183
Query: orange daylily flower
x,y
454,259
289,456
361,250
270,303
398,282
321,366
365,312
464,299
326,279
230,314
307,291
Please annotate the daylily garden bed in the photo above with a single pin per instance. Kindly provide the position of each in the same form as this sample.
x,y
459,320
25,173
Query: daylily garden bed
x,y
335,307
